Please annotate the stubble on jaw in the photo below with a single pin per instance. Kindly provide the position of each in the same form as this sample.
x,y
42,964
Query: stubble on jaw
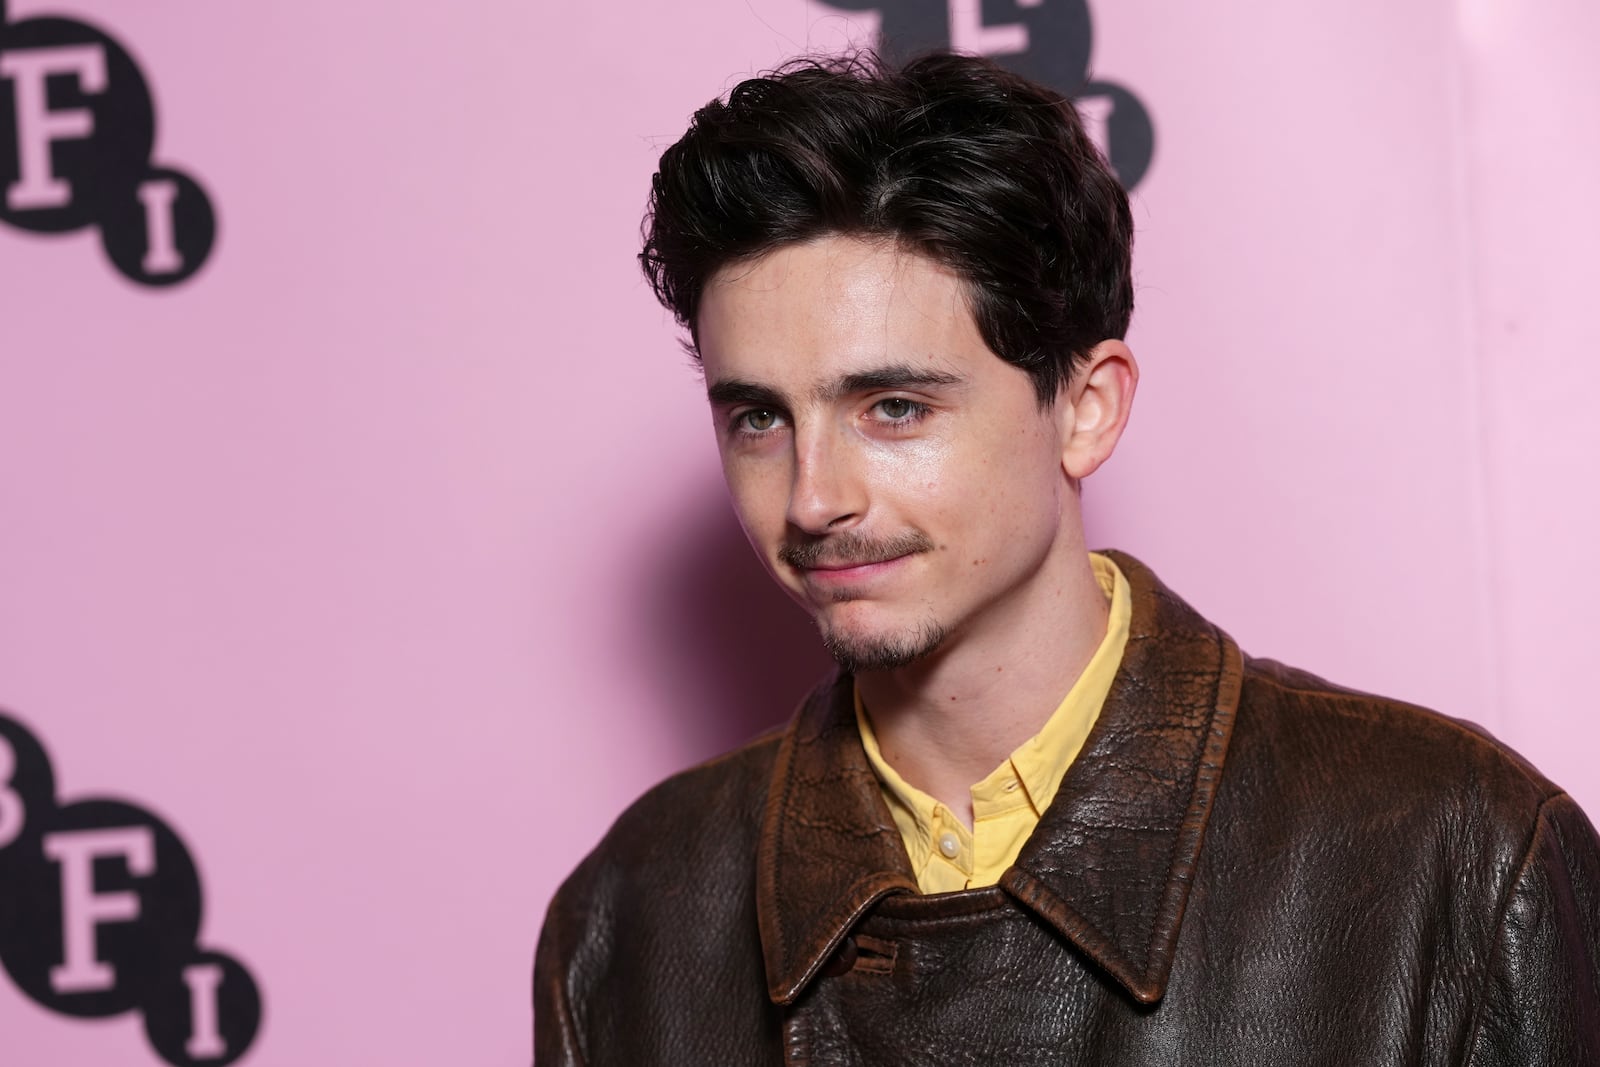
x,y
856,654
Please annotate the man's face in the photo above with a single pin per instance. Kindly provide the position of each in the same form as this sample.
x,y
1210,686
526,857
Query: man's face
x,y
897,478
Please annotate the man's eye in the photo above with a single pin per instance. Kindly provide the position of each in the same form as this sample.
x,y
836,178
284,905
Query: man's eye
x,y
899,409
759,420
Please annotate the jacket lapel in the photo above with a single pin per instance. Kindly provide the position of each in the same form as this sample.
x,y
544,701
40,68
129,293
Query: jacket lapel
x,y
829,847
1111,861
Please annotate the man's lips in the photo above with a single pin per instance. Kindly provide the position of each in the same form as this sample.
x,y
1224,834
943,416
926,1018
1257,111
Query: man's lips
x,y
850,558
850,565
850,570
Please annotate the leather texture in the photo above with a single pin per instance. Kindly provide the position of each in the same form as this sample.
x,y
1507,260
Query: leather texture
x,y
1245,865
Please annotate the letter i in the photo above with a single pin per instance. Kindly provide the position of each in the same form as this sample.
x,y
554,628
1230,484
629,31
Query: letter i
x,y
1095,111
161,250
205,1038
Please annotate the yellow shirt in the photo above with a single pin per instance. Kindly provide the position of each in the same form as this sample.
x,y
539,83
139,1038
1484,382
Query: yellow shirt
x,y
1006,805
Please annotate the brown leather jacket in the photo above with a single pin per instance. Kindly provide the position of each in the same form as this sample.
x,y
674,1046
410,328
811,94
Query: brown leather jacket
x,y
1246,865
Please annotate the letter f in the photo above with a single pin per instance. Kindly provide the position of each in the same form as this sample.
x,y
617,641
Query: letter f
x,y
38,127
83,910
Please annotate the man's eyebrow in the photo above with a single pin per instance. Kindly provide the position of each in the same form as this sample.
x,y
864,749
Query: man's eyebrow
x,y
894,376
731,391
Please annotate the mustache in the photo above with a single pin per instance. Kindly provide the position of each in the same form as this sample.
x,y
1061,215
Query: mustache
x,y
852,549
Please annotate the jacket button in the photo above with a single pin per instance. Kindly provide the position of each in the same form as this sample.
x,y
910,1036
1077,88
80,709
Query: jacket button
x,y
842,960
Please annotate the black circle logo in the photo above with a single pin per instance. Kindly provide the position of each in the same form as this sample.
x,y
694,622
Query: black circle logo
x,y
102,912
1049,41
77,128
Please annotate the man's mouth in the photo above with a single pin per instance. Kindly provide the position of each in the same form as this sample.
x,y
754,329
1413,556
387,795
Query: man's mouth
x,y
851,564
849,555
840,580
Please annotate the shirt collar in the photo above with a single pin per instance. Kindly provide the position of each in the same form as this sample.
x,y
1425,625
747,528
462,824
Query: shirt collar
x,y
1042,761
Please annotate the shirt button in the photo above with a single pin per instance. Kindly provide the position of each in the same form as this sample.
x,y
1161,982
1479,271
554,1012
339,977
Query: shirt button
x,y
950,845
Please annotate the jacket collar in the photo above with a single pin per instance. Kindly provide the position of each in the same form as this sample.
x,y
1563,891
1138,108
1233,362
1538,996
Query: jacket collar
x,y
1111,861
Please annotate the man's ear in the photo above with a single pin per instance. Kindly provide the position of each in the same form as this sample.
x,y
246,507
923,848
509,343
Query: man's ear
x,y
1093,406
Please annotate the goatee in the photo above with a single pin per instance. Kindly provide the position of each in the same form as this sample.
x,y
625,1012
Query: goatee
x,y
858,654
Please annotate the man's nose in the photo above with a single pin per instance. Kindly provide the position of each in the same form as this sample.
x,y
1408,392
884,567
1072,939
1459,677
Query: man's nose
x,y
828,493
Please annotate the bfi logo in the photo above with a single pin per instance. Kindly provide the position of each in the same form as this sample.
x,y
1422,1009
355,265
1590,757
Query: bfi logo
x,y
1047,40
77,129
101,914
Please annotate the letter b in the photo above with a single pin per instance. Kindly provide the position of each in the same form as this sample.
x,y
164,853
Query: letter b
x,y
13,812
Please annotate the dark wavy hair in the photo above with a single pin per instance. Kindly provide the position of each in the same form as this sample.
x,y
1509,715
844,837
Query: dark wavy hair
x,y
984,171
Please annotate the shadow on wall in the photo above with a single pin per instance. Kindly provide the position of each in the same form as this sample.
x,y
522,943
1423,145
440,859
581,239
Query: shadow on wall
x,y
730,654
1105,522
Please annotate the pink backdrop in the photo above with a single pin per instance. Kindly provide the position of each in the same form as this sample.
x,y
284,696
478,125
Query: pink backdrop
x,y
387,558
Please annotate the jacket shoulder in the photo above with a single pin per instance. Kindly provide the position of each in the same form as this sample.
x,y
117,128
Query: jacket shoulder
x,y
697,822
665,902
1377,746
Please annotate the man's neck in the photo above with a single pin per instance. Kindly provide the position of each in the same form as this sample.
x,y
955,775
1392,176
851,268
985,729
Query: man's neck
x,y
947,721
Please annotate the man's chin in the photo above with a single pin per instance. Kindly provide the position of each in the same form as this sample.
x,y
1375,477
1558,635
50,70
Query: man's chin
x,y
858,653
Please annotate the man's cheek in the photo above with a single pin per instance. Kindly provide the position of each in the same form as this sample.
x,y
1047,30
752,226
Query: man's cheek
x,y
761,509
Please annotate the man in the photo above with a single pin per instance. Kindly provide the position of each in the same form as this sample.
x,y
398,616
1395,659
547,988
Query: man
x,y
1044,813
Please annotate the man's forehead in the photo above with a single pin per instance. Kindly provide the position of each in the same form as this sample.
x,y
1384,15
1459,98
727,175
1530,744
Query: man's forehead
x,y
806,318
841,274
